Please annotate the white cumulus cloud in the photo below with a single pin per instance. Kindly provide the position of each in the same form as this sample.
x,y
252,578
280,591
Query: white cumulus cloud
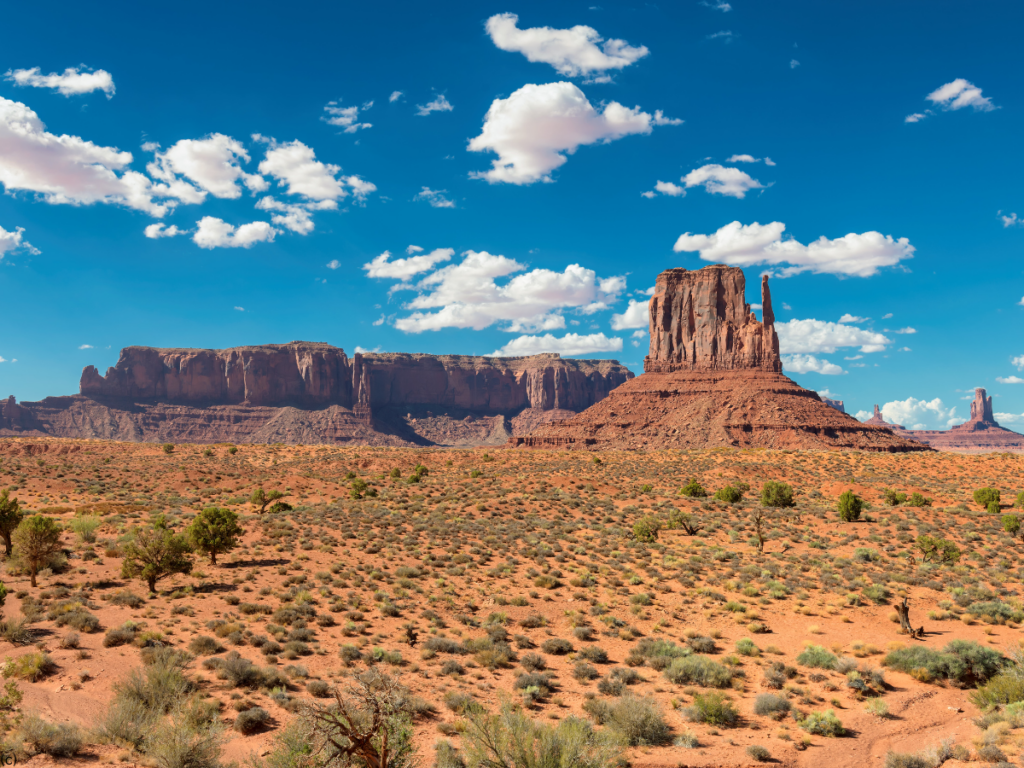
x,y
12,241
395,96
1011,220
816,336
217,233
155,231
436,197
345,117
68,169
439,104
749,159
533,129
212,163
1009,379
572,52
570,344
848,318
637,315
747,245
959,94
70,82
402,269
466,295
294,216
719,180
810,364
295,166
920,414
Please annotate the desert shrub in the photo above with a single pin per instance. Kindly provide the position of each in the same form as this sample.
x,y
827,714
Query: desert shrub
x,y
16,631
961,661
85,526
175,745
893,498
646,529
702,644
877,593
72,613
251,720
776,494
729,494
447,756
866,555
698,670
36,541
154,553
759,753
127,599
350,654
776,674
996,611
584,671
693,489
917,500
817,657
318,689
532,662
556,646
713,709
595,654
771,705
214,531
639,720
533,621
1011,524
444,645
584,633
203,645
240,672
32,666
903,760
1004,688
119,636
573,742
936,550
127,723
54,739
850,506
983,497
993,508
168,448
823,724
159,687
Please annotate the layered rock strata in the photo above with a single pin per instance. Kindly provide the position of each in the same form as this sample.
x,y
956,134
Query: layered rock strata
x,y
712,378
314,393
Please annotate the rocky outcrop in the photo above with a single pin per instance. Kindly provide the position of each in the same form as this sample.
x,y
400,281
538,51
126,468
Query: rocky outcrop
x,y
700,321
314,393
712,378
980,434
876,420
837,404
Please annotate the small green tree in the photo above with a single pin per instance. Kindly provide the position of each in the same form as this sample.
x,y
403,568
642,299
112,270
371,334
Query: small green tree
x,y
893,498
693,489
993,508
155,552
10,517
646,529
850,506
776,494
729,494
396,473
985,496
358,488
214,531
261,498
168,448
679,519
938,550
1020,500
37,540
917,500
1011,524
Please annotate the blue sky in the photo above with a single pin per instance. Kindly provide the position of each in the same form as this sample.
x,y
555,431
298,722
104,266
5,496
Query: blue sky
x,y
547,161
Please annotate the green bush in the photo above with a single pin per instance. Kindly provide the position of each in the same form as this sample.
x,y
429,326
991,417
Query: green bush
x,y
996,611
646,529
961,661
1011,524
747,647
729,494
214,531
251,720
917,500
1019,502
698,670
817,657
771,705
823,724
985,496
639,720
693,489
713,709
85,526
168,448
1002,689
776,494
940,551
850,506
878,593
903,760
32,666
176,745
893,498
54,739
759,753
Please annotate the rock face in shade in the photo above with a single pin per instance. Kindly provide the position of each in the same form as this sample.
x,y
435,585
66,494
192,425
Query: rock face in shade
x,y
980,434
713,378
314,393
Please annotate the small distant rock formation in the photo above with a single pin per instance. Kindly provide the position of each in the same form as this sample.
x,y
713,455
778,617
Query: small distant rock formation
x,y
877,420
307,392
713,378
980,434
837,404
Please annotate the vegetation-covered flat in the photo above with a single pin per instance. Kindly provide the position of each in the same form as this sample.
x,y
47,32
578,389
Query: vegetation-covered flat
x,y
674,608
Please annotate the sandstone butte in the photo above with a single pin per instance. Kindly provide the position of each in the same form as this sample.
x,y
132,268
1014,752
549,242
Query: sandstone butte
x,y
713,378
980,434
306,392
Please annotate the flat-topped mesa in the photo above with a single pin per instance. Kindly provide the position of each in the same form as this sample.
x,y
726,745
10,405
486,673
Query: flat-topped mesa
x,y
700,321
315,375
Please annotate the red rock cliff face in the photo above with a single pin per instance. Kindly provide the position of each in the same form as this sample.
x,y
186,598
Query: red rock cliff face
x,y
700,321
316,375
